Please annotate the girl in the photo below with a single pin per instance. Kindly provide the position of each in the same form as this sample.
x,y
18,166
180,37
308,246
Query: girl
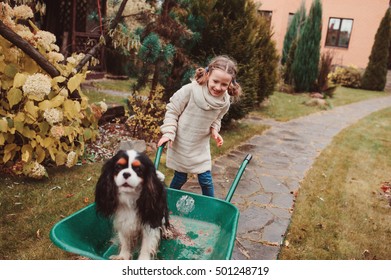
x,y
193,115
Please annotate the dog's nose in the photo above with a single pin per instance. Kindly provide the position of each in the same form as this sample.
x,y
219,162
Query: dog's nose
x,y
126,175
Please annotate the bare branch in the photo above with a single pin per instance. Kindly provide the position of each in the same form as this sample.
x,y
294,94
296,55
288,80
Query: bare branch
x,y
97,47
18,41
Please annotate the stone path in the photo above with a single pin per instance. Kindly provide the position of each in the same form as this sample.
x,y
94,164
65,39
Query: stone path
x,y
281,158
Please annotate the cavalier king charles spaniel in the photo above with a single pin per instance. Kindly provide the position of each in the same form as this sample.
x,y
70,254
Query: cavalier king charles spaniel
x,y
130,190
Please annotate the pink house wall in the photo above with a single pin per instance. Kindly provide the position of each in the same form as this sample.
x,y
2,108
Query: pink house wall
x,y
366,15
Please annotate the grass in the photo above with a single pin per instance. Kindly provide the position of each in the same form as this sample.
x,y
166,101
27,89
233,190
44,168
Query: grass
x,y
30,208
117,85
284,107
97,96
340,211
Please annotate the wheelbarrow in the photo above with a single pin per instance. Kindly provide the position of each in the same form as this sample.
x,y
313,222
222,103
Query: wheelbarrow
x,y
204,227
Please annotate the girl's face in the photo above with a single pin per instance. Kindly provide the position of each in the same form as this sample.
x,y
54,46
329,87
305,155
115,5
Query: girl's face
x,y
218,82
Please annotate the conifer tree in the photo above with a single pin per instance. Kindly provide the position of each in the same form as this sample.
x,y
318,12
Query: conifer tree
x,y
293,30
234,28
375,75
306,60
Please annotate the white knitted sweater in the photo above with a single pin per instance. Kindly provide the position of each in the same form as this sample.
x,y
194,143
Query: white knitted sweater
x,y
191,113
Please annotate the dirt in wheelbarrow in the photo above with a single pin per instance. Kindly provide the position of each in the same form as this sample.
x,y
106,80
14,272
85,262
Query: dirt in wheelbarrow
x,y
201,235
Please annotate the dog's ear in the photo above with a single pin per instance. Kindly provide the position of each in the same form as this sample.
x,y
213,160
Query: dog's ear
x,y
153,201
106,192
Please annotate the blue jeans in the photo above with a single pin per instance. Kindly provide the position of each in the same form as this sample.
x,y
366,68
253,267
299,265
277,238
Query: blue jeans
x,y
204,179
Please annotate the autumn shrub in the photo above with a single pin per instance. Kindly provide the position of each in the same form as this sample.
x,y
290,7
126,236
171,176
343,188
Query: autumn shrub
x,y
147,115
40,124
346,76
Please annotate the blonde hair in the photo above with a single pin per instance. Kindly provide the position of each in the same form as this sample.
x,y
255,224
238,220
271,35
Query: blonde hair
x,y
226,64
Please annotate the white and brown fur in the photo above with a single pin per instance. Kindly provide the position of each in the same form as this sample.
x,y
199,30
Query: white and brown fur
x,y
130,191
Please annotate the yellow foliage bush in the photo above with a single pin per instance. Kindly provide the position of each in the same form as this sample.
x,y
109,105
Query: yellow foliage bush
x,y
346,76
147,115
39,123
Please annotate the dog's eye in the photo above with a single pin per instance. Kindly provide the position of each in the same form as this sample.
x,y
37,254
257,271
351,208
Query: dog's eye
x,y
136,163
122,162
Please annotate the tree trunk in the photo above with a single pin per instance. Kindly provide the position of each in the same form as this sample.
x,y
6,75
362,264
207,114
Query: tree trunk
x,y
97,47
18,41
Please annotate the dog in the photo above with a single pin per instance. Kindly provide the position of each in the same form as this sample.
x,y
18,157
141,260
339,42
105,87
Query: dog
x,y
131,191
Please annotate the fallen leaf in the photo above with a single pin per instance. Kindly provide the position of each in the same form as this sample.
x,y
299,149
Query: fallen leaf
x,y
86,199
38,234
69,195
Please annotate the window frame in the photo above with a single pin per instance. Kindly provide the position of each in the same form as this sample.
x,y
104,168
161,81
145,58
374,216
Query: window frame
x,y
337,45
267,15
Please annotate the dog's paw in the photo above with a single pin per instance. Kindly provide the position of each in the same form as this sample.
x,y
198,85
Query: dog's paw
x,y
160,176
167,233
119,257
144,256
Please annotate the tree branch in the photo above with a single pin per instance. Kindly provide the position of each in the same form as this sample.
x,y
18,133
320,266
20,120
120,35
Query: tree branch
x,y
97,47
18,41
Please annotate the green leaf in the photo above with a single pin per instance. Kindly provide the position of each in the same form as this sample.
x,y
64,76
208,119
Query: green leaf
x,y
10,70
87,134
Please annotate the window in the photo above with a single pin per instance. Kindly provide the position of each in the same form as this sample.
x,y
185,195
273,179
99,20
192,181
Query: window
x,y
290,18
338,33
267,15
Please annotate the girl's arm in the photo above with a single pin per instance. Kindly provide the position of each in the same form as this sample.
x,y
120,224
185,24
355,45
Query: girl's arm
x,y
174,109
217,137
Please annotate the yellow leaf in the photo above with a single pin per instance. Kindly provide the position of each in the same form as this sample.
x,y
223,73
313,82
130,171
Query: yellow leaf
x,y
46,104
47,142
20,117
19,126
8,151
57,101
3,125
14,96
31,109
19,80
30,66
75,82
27,151
61,158
57,80
2,139
40,153
29,133
71,109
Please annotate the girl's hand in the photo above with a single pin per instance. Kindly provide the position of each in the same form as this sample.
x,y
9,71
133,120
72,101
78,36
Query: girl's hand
x,y
163,140
217,137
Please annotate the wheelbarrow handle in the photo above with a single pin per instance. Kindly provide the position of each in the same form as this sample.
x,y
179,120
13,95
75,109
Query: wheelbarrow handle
x,y
235,182
159,153
238,176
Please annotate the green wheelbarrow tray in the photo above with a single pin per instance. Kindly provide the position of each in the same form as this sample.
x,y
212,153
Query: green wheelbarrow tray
x,y
204,227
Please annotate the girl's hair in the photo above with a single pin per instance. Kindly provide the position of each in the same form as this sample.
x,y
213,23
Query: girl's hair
x,y
226,64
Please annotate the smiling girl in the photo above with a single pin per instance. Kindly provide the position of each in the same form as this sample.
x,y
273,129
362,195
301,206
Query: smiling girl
x,y
193,116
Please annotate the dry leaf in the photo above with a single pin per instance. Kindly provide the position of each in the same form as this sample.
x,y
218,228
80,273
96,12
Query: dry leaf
x,y
38,234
